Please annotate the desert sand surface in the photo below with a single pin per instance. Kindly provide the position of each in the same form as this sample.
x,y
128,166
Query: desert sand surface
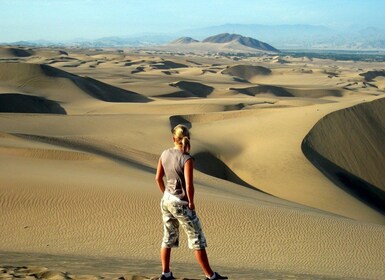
x,y
289,159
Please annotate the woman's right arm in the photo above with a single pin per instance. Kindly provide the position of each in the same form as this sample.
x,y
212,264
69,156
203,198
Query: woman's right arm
x,y
159,176
188,175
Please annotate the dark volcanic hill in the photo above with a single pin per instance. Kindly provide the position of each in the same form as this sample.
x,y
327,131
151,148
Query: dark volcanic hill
x,y
242,40
225,42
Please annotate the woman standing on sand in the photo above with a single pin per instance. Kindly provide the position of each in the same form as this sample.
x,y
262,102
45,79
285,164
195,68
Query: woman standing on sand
x,y
177,204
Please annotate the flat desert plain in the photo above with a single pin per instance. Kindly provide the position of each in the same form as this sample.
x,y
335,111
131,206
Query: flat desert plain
x,y
289,163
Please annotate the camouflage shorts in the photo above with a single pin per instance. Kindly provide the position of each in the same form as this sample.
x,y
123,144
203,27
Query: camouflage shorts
x,y
175,213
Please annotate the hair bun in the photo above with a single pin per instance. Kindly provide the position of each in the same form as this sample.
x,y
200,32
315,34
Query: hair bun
x,y
183,134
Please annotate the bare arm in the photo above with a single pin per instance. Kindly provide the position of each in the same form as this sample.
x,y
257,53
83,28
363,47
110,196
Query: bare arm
x,y
188,176
159,176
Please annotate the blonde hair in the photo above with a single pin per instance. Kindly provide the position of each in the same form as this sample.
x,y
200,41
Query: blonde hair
x,y
181,135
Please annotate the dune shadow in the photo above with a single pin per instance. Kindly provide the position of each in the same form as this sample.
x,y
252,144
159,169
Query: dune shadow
x,y
108,93
371,75
21,103
246,72
206,162
359,188
287,92
265,89
21,52
347,145
167,64
209,164
192,89
178,94
234,107
122,156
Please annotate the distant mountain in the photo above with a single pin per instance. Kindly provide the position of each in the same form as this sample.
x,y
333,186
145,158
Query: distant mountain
x,y
242,40
221,43
184,40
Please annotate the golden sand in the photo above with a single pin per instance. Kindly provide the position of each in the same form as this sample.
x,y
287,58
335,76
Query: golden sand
x,y
81,132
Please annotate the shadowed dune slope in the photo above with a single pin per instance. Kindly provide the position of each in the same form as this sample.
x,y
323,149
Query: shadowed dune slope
x,y
35,77
349,147
370,75
95,88
20,103
190,89
246,71
25,52
15,52
252,91
168,64
288,92
209,164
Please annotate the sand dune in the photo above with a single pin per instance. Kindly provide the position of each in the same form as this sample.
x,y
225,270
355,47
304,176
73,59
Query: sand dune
x,y
276,91
288,92
25,52
247,71
211,165
60,86
66,62
348,146
95,88
191,89
15,52
20,103
167,65
380,82
77,164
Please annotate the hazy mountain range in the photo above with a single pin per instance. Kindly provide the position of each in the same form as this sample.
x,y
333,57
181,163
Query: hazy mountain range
x,y
280,36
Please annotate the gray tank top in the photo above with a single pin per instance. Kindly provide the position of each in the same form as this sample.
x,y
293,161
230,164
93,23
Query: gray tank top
x,y
173,161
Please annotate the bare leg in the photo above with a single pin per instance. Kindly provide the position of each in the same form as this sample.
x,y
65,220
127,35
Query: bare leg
x,y
165,255
203,260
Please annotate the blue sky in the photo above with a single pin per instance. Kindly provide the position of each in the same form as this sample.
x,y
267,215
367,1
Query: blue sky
x,y
69,19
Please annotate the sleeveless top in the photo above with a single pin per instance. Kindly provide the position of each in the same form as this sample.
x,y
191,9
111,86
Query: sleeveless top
x,y
173,161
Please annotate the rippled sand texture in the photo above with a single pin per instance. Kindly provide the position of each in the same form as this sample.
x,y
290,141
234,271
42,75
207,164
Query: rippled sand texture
x,y
289,154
